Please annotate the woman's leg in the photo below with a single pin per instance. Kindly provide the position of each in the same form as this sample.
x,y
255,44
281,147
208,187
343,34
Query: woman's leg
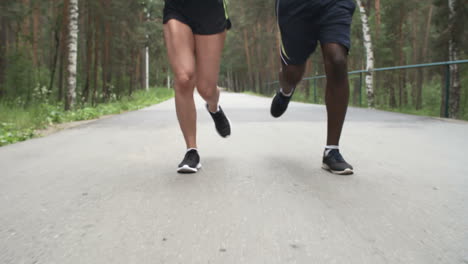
x,y
209,49
180,45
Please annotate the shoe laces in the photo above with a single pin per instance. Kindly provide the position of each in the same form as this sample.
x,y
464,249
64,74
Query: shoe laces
x,y
220,117
190,156
334,153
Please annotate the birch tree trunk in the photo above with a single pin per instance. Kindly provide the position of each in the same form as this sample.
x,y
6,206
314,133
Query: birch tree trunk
x,y
147,68
455,86
147,62
369,54
72,55
168,79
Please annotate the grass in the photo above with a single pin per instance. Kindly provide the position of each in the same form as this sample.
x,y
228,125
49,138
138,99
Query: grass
x,y
20,123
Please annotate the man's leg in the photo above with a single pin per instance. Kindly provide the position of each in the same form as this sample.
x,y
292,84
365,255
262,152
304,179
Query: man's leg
x,y
181,52
209,49
336,99
337,89
289,77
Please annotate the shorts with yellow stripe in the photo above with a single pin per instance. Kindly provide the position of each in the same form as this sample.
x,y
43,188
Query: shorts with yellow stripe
x,y
304,23
204,17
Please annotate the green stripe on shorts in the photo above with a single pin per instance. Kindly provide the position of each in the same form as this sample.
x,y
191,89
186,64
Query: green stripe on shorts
x,y
225,2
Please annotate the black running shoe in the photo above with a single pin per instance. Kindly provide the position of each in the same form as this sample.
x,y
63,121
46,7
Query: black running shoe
x,y
335,163
191,162
280,104
222,123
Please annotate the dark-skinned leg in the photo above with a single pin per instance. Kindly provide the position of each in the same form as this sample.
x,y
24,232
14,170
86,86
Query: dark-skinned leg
x,y
337,90
290,76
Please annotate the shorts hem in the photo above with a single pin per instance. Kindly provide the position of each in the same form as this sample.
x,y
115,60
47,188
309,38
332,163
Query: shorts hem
x,y
346,45
289,61
176,17
210,32
226,27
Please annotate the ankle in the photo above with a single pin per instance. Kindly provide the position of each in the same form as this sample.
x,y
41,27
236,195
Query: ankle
x,y
213,109
287,93
329,148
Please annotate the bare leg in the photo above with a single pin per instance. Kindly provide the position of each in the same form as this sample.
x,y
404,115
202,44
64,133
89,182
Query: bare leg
x,y
181,52
337,94
209,49
290,76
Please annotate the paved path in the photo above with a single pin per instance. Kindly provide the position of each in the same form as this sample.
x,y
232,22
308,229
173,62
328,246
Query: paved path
x,y
107,192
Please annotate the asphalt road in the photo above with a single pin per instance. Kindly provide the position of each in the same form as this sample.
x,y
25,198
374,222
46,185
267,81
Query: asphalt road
x,y
108,191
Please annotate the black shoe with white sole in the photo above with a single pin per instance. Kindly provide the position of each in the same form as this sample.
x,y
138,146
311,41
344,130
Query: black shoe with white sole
x,y
280,104
191,162
335,163
222,123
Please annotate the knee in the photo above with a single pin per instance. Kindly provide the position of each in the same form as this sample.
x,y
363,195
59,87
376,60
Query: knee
x,y
207,90
337,63
292,74
184,81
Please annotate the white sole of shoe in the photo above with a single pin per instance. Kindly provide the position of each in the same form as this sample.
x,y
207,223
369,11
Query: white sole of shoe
x,y
345,172
188,169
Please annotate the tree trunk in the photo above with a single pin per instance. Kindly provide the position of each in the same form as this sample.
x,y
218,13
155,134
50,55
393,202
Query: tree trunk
x,y
147,62
106,66
26,27
64,50
304,86
96,62
72,55
455,84
3,40
138,69
402,75
257,50
247,54
53,65
168,79
443,98
420,76
36,34
378,19
147,59
369,55
416,55
89,51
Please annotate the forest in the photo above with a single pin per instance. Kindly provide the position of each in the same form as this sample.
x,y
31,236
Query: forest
x,y
77,54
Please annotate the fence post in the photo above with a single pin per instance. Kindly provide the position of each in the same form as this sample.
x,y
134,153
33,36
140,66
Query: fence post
x,y
360,89
447,90
315,90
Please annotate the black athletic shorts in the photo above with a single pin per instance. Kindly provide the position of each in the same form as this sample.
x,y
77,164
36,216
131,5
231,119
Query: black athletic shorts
x,y
303,23
204,17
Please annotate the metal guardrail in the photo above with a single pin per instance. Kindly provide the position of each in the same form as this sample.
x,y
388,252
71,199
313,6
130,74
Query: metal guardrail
x,y
424,65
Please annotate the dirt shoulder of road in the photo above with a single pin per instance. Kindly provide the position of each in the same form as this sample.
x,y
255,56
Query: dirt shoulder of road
x,y
59,127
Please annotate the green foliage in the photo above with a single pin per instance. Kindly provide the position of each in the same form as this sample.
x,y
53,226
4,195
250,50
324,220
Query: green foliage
x,y
250,58
19,123
18,78
9,134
